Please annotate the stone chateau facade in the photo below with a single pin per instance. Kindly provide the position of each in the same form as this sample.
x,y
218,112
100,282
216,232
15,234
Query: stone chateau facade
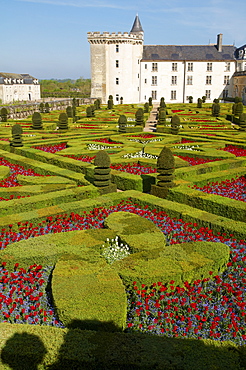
x,y
122,66
18,87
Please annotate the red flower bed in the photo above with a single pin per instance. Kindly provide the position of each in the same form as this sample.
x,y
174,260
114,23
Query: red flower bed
x,y
237,151
195,161
133,168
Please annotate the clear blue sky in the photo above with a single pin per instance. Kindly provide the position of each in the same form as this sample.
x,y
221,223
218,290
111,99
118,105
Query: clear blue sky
x,y
48,38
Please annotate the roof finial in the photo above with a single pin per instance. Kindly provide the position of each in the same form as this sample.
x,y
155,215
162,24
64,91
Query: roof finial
x,y
137,27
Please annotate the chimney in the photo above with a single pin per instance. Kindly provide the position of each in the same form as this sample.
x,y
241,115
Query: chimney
x,y
219,42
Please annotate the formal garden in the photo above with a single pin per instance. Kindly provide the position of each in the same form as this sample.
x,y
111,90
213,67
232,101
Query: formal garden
x,y
124,247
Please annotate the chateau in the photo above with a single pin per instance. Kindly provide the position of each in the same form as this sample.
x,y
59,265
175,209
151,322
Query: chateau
x,y
122,66
18,87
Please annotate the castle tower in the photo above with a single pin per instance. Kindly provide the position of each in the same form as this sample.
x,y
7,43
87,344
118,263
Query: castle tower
x,y
115,64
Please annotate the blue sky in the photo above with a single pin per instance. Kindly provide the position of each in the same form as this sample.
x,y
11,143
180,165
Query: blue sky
x,y
48,38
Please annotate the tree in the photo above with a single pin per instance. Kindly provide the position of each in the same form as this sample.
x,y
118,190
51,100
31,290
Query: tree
x,y
199,103
63,121
165,168
4,114
139,117
37,121
16,136
122,122
102,176
175,124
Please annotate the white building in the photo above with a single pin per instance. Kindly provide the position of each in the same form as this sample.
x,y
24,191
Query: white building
x,y
18,87
122,66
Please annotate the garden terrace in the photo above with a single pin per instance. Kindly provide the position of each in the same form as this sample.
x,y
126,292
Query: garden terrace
x,y
54,223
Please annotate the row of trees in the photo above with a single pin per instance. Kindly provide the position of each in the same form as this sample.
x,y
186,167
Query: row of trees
x,y
64,88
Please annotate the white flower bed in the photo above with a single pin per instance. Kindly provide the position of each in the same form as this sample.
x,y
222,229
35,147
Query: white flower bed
x,y
114,250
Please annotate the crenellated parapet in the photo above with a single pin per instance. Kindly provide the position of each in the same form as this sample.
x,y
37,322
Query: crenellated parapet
x,y
115,38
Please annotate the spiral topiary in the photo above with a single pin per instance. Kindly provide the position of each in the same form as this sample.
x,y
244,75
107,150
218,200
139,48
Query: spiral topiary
x,y
150,102
110,103
47,107
190,98
162,116
16,136
88,112
199,103
102,177
4,115
175,124
162,103
242,121
146,108
122,121
63,121
165,168
41,107
37,121
69,111
216,108
139,117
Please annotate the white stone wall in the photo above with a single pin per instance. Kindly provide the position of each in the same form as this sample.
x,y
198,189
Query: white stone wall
x,y
177,81
19,92
115,66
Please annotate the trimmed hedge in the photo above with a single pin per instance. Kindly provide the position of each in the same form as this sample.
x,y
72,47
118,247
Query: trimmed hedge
x,y
56,349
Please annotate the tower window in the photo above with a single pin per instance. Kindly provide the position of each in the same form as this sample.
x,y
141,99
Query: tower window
x,y
117,81
117,64
117,97
117,48
145,66
208,80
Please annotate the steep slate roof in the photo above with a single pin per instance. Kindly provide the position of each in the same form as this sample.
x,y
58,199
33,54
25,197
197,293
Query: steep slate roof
x,y
137,27
188,52
28,79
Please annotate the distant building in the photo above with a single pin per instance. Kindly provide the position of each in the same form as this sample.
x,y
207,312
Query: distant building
x,y
122,66
18,87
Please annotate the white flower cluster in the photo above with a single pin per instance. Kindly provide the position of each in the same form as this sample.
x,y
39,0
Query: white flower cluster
x,y
117,126
114,250
100,147
129,119
140,154
145,141
190,147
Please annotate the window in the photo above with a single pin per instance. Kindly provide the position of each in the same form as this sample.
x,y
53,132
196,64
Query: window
x,y
154,95
225,93
226,80
173,94
145,80
154,80
117,81
174,67
208,94
117,64
117,48
138,75
189,80
209,67
154,67
145,66
208,80
117,97
190,67
228,66
174,80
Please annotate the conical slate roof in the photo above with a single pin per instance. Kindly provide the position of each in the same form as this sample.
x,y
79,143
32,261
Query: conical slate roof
x,y
136,26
